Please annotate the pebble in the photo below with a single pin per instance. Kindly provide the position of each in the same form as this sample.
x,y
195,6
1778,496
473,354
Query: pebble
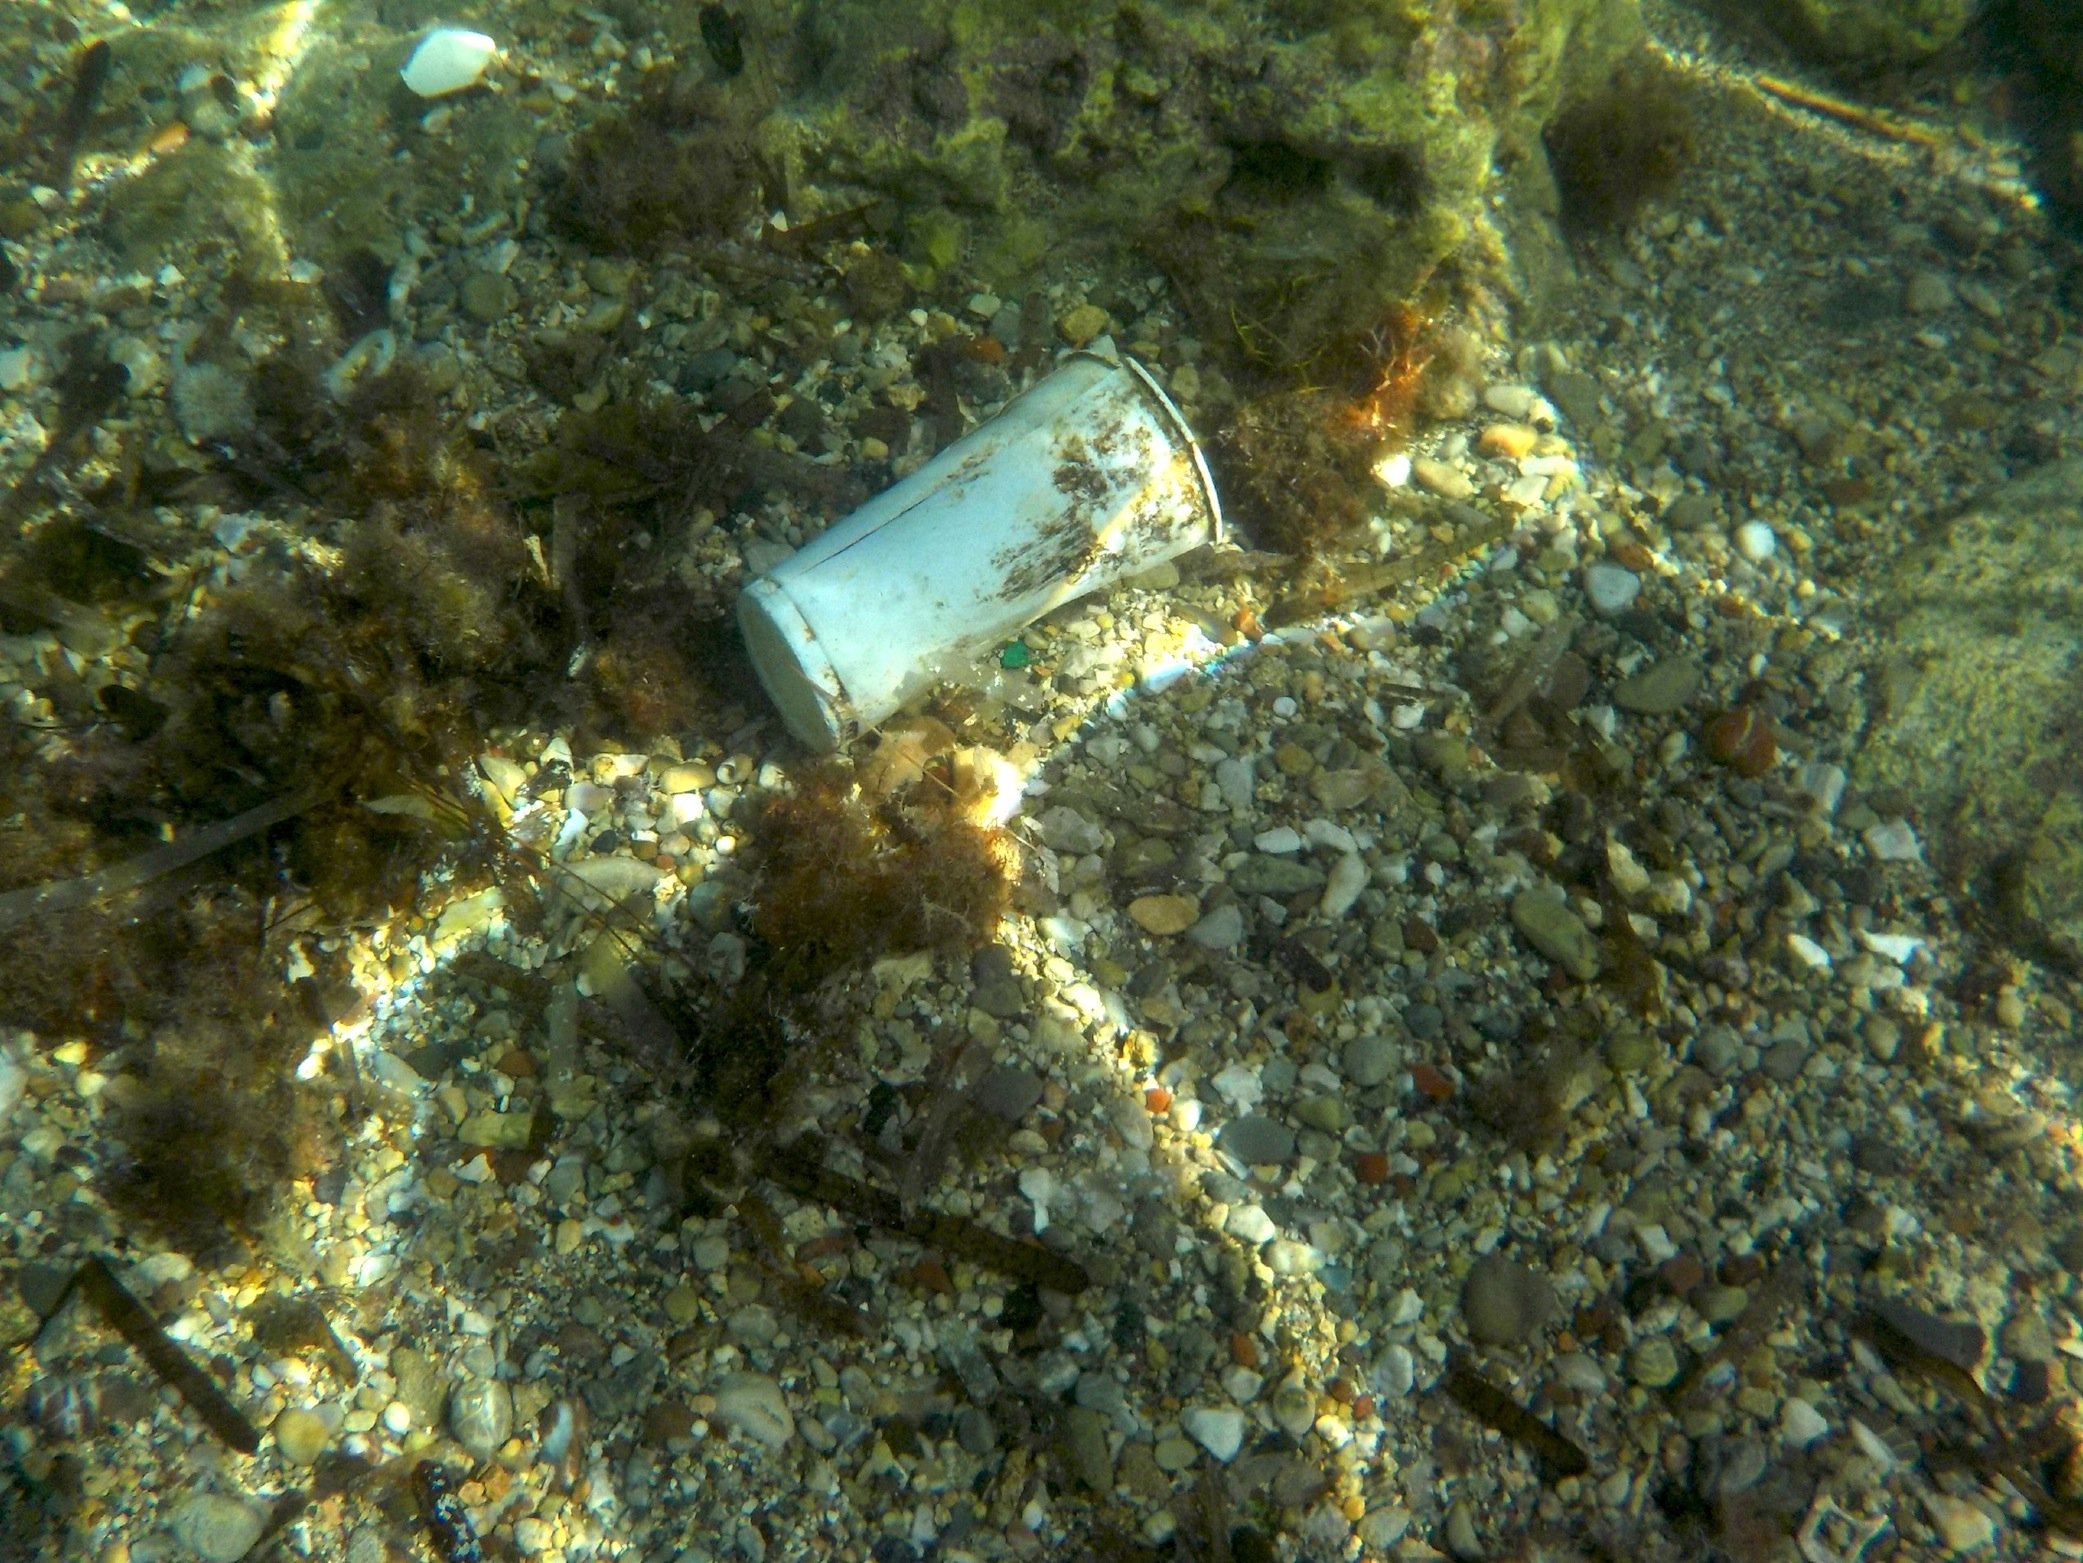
x,y
448,59
1217,1429
481,1416
752,1403
1441,477
1164,914
487,297
1258,1141
1962,1526
1509,440
1083,1441
1801,1424
1081,323
1221,928
1612,588
1756,541
1294,1408
1369,1060
215,1528
1347,879
1927,293
1659,689
1504,1303
1652,1362
1547,923
1397,1372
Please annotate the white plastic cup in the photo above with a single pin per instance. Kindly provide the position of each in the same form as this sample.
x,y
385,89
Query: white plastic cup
x,y
1089,475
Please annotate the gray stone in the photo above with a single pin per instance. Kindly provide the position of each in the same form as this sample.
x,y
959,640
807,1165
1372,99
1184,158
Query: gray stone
x,y
481,1416
418,1385
1659,689
1612,588
1717,1049
215,1528
1504,1303
1258,1141
752,1403
1547,923
1264,874
1369,1060
487,296
1220,928
1008,1092
1082,1440
1065,830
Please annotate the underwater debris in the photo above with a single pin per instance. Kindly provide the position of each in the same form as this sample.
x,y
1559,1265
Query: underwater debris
x,y
442,1512
1558,1456
37,900
130,1319
97,61
803,1173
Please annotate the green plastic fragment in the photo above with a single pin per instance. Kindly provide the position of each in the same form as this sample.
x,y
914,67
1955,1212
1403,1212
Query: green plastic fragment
x,y
1015,655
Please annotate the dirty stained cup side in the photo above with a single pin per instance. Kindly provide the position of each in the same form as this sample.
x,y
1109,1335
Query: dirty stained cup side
x,y
1088,476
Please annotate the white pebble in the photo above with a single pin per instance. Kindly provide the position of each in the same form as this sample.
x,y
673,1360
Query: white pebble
x,y
1250,1224
1893,841
1801,1424
1822,782
1897,947
1348,879
1217,1429
1810,954
1611,588
752,1403
1280,839
448,59
1756,541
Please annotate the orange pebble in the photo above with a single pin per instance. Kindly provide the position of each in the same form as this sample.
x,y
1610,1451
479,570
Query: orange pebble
x,y
1157,1099
1433,1081
1243,1351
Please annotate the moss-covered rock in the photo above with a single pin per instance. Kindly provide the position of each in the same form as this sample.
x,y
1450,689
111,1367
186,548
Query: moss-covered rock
x,y
1984,706
1297,169
1873,34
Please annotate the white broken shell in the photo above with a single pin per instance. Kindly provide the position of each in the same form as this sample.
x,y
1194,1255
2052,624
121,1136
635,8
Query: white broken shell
x,y
447,60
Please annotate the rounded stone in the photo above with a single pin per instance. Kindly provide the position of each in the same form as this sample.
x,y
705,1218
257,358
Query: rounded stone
x,y
481,1416
301,1435
215,1528
1612,588
1504,1303
1259,1141
1659,689
1369,1060
486,296
1653,1362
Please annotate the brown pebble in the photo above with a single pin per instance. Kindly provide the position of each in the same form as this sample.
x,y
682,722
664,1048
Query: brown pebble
x,y
1682,1273
665,1421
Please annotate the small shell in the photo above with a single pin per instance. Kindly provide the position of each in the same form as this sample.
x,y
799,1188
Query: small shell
x,y
448,59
